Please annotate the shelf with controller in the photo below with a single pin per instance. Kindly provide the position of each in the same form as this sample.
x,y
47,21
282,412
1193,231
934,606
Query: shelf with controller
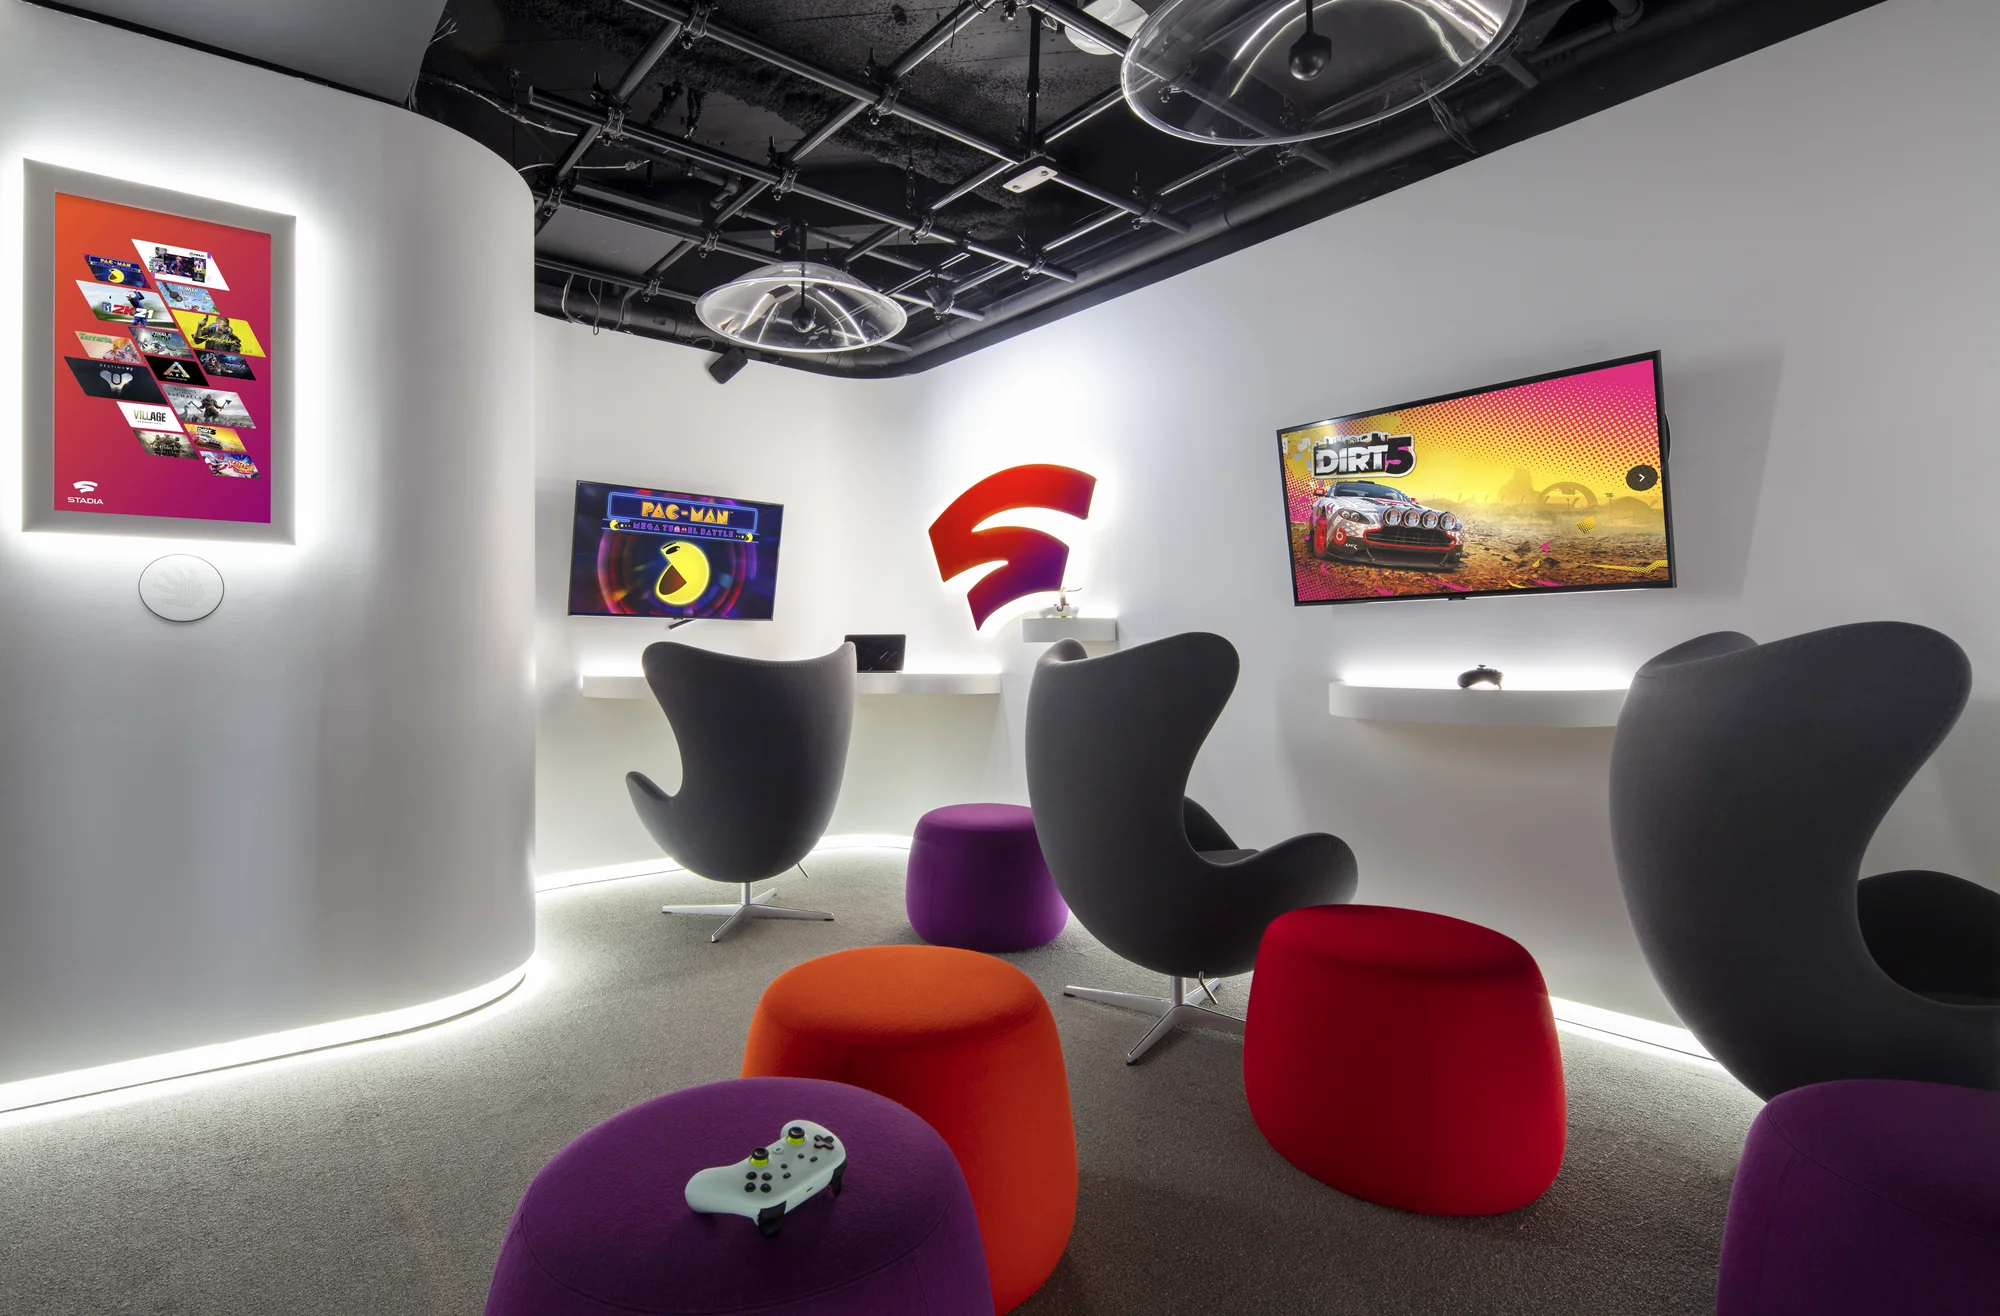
x,y
1478,700
1090,630
620,686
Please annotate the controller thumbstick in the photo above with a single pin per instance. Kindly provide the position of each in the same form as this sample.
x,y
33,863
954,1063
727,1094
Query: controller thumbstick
x,y
759,1155
795,1135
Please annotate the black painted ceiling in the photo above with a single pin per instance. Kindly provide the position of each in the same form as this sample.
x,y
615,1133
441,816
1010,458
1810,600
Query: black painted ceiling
x,y
658,210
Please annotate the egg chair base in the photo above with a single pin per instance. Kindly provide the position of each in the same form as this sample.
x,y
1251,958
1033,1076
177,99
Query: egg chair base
x,y
1171,1012
750,907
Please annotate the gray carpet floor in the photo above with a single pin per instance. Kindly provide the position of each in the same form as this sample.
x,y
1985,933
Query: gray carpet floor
x,y
378,1179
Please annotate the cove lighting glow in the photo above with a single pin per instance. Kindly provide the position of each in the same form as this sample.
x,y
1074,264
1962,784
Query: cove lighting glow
x,y
1630,1031
71,1092
123,1074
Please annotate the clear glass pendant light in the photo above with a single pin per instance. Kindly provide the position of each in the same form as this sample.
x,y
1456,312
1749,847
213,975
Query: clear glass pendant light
x,y
801,306
1263,72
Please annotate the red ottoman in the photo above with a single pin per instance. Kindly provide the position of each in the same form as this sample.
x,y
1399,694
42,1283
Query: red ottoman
x,y
1405,1057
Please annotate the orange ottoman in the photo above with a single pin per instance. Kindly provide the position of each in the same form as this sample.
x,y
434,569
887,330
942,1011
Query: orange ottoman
x,y
967,1042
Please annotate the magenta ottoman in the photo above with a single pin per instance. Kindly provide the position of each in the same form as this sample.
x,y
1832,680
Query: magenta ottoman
x,y
1866,1196
605,1229
978,881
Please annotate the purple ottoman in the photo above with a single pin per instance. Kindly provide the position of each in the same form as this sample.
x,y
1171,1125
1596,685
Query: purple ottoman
x,y
977,880
1866,1195
604,1227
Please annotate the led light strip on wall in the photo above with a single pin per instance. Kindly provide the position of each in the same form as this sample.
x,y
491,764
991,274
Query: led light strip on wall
x,y
249,1050
1629,1030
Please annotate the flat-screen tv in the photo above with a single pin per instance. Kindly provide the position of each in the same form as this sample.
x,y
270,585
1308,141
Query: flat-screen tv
x,y
1532,487
653,553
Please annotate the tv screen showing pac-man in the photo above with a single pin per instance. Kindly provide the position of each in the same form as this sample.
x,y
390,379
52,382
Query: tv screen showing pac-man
x,y
654,553
1553,483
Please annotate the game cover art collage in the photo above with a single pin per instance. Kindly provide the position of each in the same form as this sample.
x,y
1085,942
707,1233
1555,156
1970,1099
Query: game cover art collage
x,y
171,353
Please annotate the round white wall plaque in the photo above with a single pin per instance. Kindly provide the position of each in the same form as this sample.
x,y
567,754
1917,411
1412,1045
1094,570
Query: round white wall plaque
x,y
181,587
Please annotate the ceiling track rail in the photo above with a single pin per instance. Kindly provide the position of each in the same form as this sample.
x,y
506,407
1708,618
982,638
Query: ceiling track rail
x,y
929,44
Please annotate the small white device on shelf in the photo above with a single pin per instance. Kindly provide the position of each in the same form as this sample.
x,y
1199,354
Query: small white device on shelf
x,y
772,1181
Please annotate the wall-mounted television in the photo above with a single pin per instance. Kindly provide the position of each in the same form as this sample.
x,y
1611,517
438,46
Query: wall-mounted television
x,y
1543,485
654,553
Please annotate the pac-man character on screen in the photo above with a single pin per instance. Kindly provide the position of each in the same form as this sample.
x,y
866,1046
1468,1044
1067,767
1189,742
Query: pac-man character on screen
x,y
685,576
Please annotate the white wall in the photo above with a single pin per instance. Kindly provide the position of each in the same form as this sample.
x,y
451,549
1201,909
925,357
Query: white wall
x,y
315,804
1817,266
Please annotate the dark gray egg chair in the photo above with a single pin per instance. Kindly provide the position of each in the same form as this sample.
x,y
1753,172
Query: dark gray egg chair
x,y
1150,873
1746,782
763,747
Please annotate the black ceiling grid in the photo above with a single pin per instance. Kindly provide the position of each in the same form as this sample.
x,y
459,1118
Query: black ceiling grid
x,y
672,146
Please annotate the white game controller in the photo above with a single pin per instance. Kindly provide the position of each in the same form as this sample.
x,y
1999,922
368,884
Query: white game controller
x,y
772,1180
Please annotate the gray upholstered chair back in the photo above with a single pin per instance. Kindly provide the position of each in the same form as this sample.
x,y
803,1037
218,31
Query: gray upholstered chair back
x,y
1746,783
1110,744
763,747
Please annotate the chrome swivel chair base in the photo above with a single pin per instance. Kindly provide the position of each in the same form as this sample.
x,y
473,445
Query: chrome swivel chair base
x,y
750,907
1171,1013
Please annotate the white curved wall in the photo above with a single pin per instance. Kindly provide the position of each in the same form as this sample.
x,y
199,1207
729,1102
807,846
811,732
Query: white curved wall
x,y
317,803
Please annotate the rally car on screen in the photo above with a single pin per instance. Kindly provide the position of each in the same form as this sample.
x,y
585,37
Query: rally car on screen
x,y
1360,520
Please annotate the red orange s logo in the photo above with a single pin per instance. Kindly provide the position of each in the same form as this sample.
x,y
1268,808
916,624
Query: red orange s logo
x,y
1033,561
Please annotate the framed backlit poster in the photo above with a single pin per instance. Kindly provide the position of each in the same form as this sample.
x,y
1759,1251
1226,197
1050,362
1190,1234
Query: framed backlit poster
x,y
159,362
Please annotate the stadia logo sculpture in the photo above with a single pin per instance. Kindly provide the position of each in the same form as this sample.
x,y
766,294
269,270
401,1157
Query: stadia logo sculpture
x,y
1032,562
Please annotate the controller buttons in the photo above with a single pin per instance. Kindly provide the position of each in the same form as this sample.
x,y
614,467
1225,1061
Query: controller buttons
x,y
767,1176
749,1187
749,1174
815,1160
763,1188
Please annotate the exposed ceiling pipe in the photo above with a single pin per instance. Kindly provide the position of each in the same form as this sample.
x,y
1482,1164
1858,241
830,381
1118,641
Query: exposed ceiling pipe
x,y
679,224
620,95
677,148
653,317
886,101
927,45
979,178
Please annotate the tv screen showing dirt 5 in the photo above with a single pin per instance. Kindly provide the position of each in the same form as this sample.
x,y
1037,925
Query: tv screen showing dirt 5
x,y
1552,483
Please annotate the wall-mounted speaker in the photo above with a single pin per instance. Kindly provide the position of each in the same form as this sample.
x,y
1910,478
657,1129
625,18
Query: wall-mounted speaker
x,y
181,587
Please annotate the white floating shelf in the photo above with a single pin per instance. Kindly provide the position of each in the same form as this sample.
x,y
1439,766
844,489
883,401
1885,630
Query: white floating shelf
x,y
866,683
1091,630
614,687
1476,707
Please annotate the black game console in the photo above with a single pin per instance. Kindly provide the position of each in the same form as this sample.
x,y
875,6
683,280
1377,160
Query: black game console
x,y
878,653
